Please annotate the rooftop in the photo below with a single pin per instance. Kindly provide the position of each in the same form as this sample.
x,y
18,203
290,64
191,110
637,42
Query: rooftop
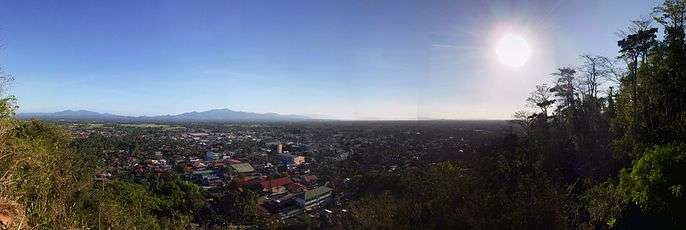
x,y
275,182
315,193
243,168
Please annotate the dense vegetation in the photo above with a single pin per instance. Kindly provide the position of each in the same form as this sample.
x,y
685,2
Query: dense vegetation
x,y
605,148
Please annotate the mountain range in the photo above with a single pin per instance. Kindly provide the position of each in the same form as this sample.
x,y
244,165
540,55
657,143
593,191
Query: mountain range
x,y
210,115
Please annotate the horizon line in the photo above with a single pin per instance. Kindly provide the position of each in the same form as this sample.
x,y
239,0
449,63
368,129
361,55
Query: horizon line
x,y
309,116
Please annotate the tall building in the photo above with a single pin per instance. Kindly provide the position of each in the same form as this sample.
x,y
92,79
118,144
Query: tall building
x,y
279,148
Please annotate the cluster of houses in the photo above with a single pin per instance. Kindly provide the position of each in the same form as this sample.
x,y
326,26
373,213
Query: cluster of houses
x,y
283,195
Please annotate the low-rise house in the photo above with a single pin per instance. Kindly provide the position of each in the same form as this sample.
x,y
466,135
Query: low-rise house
x,y
307,180
295,187
201,175
251,182
212,181
275,186
199,165
212,156
233,161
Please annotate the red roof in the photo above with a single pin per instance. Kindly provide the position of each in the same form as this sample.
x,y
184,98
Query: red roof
x,y
310,178
232,161
295,187
268,184
251,181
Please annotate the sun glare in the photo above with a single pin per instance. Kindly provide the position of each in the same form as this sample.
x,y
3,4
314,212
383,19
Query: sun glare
x,y
513,50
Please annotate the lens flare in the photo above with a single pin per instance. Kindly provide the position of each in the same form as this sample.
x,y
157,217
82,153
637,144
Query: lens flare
x,y
513,50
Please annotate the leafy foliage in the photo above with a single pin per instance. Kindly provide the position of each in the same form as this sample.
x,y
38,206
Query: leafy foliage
x,y
655,182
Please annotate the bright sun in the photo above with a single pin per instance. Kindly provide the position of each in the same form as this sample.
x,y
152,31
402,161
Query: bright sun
x,y
513,50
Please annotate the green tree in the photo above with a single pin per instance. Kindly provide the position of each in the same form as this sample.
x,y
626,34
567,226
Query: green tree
x,y
655,183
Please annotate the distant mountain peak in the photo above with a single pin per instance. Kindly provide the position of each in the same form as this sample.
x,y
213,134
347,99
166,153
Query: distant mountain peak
x,y
218,115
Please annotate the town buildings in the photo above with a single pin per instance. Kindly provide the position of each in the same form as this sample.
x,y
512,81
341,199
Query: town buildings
x,y
314,197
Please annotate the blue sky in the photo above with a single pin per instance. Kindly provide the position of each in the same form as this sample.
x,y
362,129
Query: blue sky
x,y
338,59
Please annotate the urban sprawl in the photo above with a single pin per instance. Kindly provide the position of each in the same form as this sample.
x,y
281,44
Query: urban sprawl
x,y
297,169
